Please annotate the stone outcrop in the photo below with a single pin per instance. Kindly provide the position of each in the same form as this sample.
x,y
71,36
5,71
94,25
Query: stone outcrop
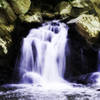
x,y
3,19
5,38
74,8
64,8
7,17
80,7
96,5
20,6
3,49
81,3
8,11
89,27
33,16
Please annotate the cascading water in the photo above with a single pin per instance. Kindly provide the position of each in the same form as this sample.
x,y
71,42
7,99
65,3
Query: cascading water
x,y
96,75
43,54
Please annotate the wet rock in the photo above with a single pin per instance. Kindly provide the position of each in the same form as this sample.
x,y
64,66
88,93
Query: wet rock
x,y
81,3
33,16
21,6
3,48
74,8
87,79
4,44
48,15
5,29
64,8
89,27
5,38
3,19
81,6
96,5
8,11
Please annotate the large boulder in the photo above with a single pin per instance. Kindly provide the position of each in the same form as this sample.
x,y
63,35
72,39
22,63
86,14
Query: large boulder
x,y
5,30
96,4
3,48
5,38
7,11
21,6
33,16
73,9
89,27
3,19
81,3
64,8
81,6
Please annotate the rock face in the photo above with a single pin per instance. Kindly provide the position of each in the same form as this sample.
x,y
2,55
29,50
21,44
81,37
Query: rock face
x,y
64,8
3,19
5,44
21,6
74,8
96,4
5,38
31,18
81,3
89,27
3,48
35,16
8,18
81,7
8,11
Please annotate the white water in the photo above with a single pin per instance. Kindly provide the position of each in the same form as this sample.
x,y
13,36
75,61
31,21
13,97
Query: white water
x,y
97,74
43,55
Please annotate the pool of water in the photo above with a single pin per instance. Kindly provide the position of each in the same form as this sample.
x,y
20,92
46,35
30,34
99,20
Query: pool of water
x,y
26,92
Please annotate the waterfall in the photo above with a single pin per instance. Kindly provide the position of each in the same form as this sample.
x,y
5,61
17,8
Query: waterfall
x,y
96,75
43,54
